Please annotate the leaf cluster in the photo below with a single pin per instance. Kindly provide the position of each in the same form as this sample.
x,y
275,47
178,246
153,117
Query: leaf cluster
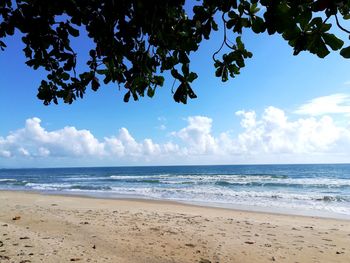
x,y
136,42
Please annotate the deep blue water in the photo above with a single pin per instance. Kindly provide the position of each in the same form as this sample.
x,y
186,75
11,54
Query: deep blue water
x,y
321,188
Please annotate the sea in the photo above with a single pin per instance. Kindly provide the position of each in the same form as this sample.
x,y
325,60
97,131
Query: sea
x,y
308,189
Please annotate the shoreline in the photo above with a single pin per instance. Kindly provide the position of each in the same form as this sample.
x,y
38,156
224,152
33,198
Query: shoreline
x,y
213,205
61,228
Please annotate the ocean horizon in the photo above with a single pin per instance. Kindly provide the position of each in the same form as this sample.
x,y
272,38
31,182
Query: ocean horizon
x,y
305,189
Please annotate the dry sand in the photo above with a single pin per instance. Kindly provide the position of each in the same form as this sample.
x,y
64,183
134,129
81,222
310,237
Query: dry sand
x,y
47,228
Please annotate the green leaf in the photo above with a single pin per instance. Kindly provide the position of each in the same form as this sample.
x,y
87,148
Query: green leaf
x,y
180,94
150,92
305,18
218,72
317,21
102,71
190,93
176,74
192,76
74,32
239,42
185,69
2,45
183,58
258,25
95,84
224,77
345,52
232,14
322,50
107,79
254,8
65,76
234,3
214,25
127,96
325,27
159,80
332,41
230,23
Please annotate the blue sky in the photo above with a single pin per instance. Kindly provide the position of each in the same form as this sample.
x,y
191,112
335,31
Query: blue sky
x,y
281,109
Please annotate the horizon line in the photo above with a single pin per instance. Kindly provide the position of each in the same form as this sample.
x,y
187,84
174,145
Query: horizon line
x,y
168,165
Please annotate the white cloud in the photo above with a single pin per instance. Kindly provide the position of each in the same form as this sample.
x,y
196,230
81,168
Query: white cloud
x,y
5,153
197,135
131,147
268,137
249,120
332,104
43,152
150,148
115,146
34,141
273,133
171,148
23,152
162,127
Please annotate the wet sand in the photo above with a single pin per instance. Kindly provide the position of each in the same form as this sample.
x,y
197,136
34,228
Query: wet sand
x,y
48,228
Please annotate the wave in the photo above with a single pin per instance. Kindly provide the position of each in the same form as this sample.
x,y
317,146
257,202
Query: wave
x,y
198,176
143,181
226,195
47,186
5,180
131,177
291,183
328,198
65,186
267,180
12,182
216,194
89,187
209,192
267,175
149,181
84,178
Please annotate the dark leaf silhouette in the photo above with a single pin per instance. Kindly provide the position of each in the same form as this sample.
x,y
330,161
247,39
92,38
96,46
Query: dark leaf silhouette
x,y
136,42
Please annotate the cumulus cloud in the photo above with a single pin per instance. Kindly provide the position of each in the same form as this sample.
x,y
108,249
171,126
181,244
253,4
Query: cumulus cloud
x,y
264,137
332,104
274,133
35,141
197,135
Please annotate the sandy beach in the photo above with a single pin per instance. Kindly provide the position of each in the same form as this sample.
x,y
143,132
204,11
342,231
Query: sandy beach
x,y
48,228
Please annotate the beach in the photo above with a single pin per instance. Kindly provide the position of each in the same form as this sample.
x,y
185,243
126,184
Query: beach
x,y
55,228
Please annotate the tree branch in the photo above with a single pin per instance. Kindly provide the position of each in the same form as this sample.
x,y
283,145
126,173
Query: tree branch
x,y
338,24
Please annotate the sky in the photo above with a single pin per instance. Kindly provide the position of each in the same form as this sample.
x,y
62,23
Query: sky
x,y
281,109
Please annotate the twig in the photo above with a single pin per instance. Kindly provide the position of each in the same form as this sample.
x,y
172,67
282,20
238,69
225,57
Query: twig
x,y
338,24
172,87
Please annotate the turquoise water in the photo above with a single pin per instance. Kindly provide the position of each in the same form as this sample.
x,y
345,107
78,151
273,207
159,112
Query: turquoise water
x,y
320,189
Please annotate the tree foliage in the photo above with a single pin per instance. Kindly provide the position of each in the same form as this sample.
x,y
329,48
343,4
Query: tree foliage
x,y
136,41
